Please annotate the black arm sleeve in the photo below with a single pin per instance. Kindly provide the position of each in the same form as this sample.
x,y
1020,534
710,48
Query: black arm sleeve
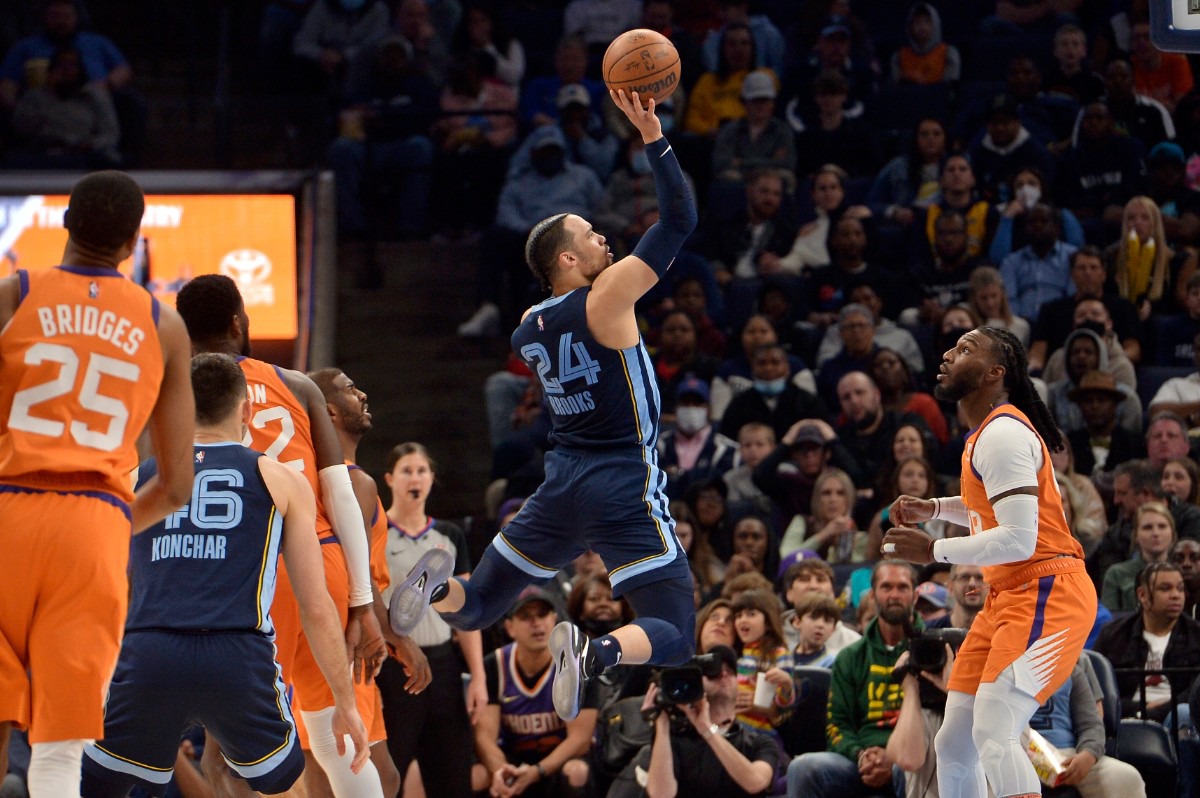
x,y
676,210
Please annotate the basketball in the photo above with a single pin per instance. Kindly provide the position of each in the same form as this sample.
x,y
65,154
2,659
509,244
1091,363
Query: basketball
x,y
644,61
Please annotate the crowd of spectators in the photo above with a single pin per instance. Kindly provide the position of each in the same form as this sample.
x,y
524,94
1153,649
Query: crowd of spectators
x,y
867,197
875,178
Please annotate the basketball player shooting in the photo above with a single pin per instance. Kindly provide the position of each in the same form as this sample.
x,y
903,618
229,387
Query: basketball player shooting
x,y
1024,644
603,488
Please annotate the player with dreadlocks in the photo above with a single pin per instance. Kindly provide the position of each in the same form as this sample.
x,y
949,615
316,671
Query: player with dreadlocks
x,y
1024,644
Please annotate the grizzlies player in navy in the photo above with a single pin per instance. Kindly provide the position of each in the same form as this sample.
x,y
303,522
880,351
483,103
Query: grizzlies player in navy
x,y
603,488
198,641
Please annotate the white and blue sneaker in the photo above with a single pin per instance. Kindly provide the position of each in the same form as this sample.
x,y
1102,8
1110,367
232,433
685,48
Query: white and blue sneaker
x,y
411,597
570,649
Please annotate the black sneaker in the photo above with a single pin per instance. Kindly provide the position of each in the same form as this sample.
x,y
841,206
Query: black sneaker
x,y
570,649
411,597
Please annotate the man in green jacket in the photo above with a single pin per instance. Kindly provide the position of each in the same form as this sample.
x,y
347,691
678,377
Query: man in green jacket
x,y
864,702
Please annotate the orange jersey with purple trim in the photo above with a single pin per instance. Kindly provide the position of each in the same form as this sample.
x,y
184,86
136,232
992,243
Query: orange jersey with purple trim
x,y
280,427
1054,537
80,370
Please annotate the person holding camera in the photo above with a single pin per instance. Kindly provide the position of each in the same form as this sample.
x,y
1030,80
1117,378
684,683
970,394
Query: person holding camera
x,y
1024,644
699,748
921,711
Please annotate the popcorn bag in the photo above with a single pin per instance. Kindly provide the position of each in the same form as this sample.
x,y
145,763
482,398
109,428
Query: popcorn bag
x,y
1045,757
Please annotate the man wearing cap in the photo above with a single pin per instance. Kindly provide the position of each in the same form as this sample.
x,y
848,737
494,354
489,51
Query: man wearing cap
x,y
832,51
759,140
931,602
524,747
1179,203
589,142
1085,351
693,449
968,589
1005,149
774,399
717,756
1101,445
788,473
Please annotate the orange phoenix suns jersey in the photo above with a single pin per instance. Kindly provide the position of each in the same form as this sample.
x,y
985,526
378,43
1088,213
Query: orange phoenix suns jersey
x,y
1054,537
279,427
80,370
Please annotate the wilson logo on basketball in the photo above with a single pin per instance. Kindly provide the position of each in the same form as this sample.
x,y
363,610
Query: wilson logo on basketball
x,y
655,87
250,269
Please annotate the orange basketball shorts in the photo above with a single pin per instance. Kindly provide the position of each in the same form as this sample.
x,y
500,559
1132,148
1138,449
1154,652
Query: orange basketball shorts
x,y
310,691
62,608
1036,623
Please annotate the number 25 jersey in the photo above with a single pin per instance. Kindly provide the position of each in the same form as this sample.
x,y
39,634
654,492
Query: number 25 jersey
x,y
80,370
597,397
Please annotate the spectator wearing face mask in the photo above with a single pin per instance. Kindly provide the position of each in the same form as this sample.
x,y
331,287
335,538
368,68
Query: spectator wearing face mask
x,y
1005,148
1056,319
774,399
1092,315
694,449
1028,186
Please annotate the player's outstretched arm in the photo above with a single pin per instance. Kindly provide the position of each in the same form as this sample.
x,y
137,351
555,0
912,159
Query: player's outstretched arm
x,y
622,284
318,616
172,425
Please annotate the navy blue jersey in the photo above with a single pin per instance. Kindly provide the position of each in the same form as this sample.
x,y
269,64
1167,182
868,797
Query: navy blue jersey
x,y
597,397
211,564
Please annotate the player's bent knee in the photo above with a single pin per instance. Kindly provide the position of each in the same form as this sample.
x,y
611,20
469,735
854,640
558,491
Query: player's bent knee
x,y
991,752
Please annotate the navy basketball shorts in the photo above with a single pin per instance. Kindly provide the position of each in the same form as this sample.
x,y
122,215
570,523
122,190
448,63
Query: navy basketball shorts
x,y
610,501
166,682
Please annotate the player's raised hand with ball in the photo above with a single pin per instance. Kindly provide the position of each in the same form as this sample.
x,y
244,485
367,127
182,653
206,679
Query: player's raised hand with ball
x,y
642,118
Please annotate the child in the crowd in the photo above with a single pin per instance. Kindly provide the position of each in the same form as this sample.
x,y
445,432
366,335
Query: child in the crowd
x,y
759,630
812,575
925,59
755,442
815,618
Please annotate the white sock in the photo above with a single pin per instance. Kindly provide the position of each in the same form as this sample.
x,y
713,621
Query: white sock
x,y
55,769
343,782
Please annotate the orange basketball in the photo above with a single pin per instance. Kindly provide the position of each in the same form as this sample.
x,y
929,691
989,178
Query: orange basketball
x,y
644,61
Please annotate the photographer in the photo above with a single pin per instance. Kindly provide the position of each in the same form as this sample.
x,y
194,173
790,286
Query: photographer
x,y
698,748
911,743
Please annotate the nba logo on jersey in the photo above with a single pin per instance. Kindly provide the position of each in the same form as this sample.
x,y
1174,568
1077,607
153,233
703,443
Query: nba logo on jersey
x,y
93,290
200,456
541,324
